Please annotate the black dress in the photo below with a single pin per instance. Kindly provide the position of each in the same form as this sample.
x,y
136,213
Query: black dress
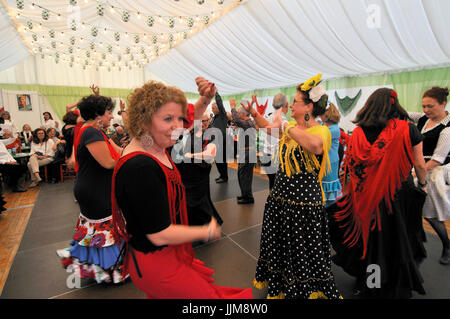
x,y
195,177
295,250
397,247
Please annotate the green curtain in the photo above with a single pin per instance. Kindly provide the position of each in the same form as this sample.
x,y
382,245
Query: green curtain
x,y
409,86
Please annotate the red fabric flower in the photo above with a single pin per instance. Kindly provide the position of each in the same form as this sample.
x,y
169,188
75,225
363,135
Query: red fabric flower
x,y
393,96
80,234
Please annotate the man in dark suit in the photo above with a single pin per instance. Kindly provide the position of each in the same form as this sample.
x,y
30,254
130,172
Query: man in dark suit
x,y
219,122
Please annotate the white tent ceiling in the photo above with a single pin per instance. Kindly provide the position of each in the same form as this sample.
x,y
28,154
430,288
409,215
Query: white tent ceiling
x,y
245,45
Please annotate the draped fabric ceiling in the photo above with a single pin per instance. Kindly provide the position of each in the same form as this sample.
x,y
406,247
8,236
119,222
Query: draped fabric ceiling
x,y
245,45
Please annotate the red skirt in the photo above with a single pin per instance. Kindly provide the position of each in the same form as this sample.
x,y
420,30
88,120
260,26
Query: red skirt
x,y
165,277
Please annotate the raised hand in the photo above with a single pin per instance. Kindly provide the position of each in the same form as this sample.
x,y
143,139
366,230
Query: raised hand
x,y
95,89
249,106
205,88
232,103
122,105
277,119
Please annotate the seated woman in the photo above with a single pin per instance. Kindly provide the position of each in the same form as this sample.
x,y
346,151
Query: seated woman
x,y
41,154
26,136
7,124
52,134
49,121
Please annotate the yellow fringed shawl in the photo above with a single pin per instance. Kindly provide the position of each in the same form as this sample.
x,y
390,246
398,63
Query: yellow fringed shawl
x,y
289,163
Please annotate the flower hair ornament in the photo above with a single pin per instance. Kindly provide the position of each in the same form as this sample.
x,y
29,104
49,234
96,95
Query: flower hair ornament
x,y
316,92
393,96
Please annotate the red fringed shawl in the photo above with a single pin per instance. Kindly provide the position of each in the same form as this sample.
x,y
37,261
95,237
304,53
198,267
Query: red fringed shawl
x,y
376,173
77,137
174,186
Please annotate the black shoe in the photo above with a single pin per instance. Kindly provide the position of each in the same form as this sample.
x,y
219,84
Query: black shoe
x,y
19,189
445,259
246,200
221,180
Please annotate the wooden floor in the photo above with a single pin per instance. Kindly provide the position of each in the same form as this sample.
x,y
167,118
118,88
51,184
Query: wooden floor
x,y
13,223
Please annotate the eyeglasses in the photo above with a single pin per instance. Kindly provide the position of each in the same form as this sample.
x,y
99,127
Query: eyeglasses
x,y
297,101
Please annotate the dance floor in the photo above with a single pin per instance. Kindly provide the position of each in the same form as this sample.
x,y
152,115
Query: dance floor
x,y
32,269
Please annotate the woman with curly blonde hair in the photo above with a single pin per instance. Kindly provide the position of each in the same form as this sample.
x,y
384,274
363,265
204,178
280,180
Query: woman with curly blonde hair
x,y
149,200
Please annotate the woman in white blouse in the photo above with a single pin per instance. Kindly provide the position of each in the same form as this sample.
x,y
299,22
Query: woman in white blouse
x,y
434,124
49,122
7,124
41,154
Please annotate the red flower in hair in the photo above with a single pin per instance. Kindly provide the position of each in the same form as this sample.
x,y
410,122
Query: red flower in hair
x,y
393,96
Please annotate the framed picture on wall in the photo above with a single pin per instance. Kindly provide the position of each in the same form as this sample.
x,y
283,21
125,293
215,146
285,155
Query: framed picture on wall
x,y
24,102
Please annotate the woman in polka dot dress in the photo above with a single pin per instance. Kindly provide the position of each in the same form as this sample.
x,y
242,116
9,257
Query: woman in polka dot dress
x,y
295,251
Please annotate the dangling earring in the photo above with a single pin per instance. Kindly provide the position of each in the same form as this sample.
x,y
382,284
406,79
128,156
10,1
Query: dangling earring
x,y
146,141
306,117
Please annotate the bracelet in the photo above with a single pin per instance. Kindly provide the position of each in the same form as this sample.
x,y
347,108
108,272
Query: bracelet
x,y
422,185
209,233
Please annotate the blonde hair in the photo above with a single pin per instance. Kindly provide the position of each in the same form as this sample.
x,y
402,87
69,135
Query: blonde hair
x,y
148,99
332,114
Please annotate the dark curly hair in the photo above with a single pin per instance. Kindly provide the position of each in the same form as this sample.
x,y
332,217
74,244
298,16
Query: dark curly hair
x,y
49,115
70,118
36,138
437,93
319,107
92,106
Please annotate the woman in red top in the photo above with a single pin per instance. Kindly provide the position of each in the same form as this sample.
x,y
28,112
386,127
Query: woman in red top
x,y
149,200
